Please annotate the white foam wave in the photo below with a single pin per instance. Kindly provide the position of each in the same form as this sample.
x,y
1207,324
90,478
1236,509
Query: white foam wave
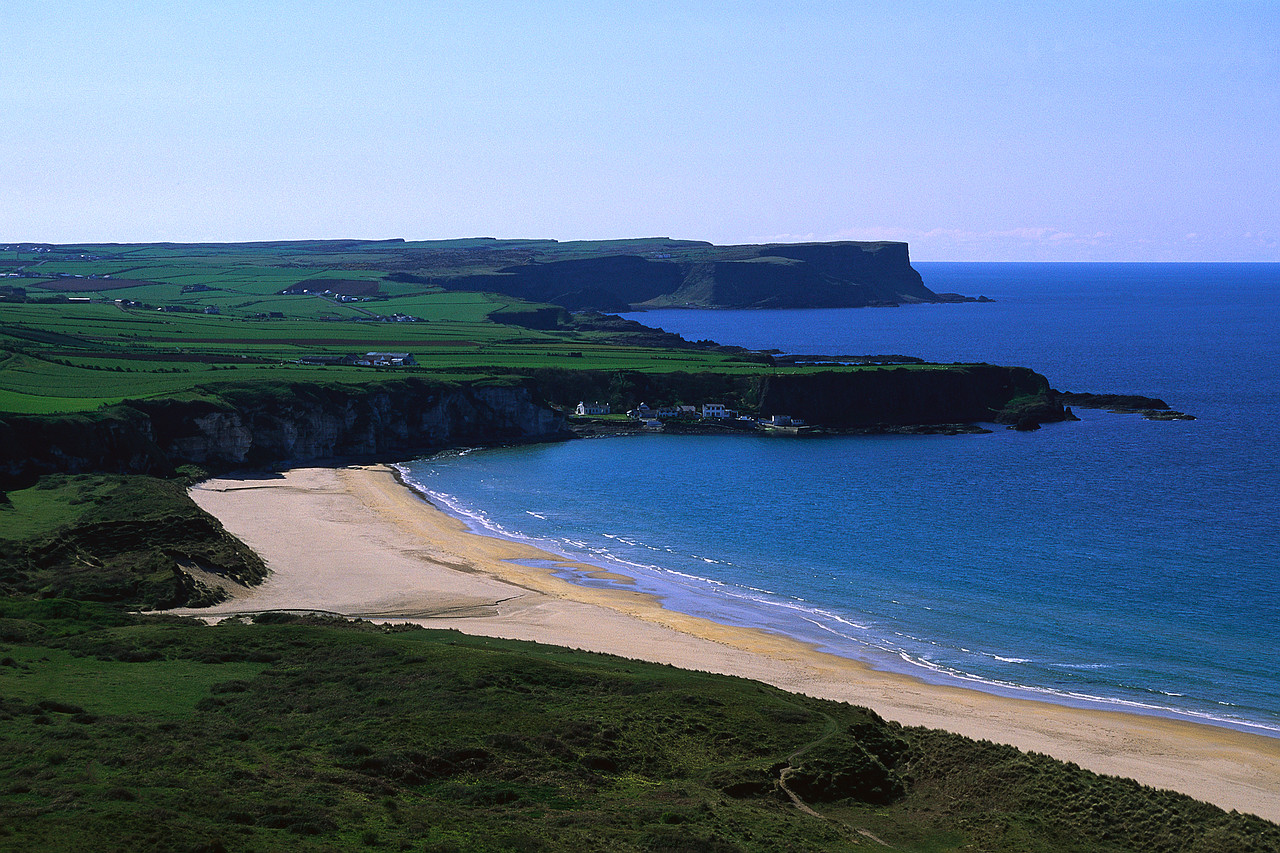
x,y
833,624
1074,696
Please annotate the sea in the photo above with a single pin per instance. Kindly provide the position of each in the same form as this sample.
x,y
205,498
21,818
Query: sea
x,y
1112,562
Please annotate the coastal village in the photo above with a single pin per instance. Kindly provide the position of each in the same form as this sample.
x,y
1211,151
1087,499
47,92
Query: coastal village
x,y
656,419
369,359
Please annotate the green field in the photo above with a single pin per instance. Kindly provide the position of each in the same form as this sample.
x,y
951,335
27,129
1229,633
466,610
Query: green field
x,y
153,337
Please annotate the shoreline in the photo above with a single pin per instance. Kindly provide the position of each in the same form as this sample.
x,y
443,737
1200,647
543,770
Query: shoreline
x,y
390,555
876,657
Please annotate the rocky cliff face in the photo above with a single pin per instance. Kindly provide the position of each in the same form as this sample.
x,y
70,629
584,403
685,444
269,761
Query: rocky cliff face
x,y
801,275
905,396
249,428
840,399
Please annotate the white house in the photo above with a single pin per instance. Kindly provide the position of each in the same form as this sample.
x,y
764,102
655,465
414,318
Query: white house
x,y
592,409
389,359
714,410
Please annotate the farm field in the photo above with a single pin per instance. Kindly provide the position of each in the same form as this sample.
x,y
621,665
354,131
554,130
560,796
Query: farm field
x,y
92,325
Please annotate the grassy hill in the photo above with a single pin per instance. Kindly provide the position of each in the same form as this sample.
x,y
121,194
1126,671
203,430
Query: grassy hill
x,y
126,733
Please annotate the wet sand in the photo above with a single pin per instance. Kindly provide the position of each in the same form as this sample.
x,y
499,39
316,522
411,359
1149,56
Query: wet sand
x,y
355,541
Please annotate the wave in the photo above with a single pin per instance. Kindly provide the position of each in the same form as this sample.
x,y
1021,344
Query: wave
x,y
870,640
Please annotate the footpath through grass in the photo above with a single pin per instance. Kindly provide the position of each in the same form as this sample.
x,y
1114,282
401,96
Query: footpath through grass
x,y
132,734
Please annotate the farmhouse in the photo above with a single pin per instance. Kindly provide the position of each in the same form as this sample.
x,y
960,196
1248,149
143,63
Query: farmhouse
x,y
592,409
388,359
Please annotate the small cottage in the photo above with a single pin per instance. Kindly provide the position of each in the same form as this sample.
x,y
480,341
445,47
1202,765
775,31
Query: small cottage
x,y
389,359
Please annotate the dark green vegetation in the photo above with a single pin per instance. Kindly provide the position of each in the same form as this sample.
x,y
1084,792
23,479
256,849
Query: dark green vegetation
x,y
116,539
137,734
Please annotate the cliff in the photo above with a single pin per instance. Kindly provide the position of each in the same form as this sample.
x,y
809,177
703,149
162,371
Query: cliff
x,y
841,399
804,275
260,427
801,275
257,427
908,396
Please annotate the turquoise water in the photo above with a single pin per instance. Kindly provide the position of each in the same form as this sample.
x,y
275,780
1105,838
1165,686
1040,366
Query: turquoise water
x,y
1114,560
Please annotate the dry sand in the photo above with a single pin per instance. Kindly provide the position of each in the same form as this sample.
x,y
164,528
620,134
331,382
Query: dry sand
x,y
355,541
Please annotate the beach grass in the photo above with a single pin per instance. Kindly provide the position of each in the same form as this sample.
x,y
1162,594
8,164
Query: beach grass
x,y
115,538
303,733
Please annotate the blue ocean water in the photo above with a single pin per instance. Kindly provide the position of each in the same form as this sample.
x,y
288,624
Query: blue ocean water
x,y
1112,560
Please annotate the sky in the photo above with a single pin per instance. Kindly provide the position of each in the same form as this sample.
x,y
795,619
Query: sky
x,y
974,131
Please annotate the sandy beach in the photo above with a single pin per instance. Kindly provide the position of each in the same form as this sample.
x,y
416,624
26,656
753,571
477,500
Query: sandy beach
x,y
355,541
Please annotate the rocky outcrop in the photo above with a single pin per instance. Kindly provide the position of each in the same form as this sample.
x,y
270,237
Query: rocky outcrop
x,y
1151,408
902,396
253,427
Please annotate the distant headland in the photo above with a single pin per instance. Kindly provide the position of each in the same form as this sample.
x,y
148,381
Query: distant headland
x,y
587,275
625,275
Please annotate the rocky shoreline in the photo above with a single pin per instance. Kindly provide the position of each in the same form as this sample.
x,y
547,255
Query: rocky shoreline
x,y
1151,408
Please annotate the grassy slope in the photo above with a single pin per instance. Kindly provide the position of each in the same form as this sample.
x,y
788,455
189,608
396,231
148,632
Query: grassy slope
x,y
119,539
299,736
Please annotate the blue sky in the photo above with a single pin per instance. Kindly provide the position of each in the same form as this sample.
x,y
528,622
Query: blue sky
x,y
972,130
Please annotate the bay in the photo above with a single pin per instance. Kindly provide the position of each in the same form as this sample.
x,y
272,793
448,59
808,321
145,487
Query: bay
x,y
1113,560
